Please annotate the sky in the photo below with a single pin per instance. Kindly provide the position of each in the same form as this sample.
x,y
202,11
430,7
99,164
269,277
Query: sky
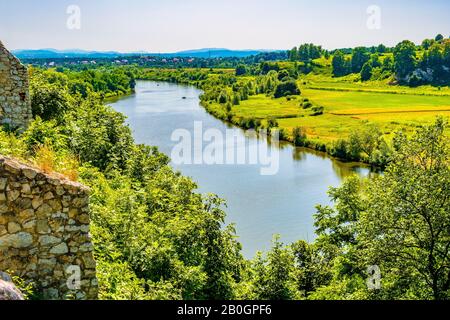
x,y
175,25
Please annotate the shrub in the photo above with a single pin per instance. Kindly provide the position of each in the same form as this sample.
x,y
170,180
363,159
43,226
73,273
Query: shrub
x,y
299,137
307,105
286,88
272,122
317,111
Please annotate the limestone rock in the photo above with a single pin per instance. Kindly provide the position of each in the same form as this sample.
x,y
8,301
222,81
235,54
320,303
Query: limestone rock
x,y
8,291
60,249
17,240
14,227
44,230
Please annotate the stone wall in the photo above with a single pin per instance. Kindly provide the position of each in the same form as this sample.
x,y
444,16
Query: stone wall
x,y
15,106
44,232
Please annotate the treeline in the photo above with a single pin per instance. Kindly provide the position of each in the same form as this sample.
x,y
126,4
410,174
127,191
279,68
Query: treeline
x,y
412,65
306,52
80,64
107,82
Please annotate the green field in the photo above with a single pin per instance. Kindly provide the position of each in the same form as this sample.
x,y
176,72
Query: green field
x,y
349,105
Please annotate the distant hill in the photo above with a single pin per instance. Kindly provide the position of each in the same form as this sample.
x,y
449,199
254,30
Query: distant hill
x,y
75,53
54,54
218,53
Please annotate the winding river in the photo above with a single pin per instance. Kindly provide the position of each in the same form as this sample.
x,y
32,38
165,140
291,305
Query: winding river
x,y
259,205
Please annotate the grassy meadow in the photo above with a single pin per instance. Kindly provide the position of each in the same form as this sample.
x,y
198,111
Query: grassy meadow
x,y
348,104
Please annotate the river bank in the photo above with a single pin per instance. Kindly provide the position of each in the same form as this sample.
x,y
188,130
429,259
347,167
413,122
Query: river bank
x,y
259,206
298,135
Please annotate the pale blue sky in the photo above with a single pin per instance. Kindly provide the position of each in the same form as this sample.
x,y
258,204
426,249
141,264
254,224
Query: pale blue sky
x,y
173,25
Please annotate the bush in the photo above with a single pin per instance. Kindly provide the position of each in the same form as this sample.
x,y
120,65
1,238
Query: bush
x,y
307,105
250,123
272,123
241,70
339,149
317,111
299,137
287,88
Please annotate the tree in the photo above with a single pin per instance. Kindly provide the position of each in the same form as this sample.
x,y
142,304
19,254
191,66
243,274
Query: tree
x,y
433,59
308,52
223,97
293,54
381,48
299,137
439,37
340,65
359,58
274,275
241,70
312,266
405,227
366,72
49,100
375,61
446,56
404,59
388,64
427,43
236,99
283,74
286,88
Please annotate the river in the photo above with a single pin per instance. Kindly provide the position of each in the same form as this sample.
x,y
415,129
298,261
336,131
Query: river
x,y
260,205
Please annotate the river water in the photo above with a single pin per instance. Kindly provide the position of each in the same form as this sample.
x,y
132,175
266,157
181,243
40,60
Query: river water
x,y
260,205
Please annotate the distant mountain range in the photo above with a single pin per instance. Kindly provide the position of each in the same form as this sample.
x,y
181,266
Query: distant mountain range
x,y
76,53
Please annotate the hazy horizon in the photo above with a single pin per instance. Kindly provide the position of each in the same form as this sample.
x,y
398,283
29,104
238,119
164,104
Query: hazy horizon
x,y
174,25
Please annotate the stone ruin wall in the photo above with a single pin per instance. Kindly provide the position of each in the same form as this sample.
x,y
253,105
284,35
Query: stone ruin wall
x,y
44,232
15,105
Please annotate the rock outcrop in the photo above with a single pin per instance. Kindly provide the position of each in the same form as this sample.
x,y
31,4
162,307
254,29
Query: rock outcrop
x,y
8,291
15,105
44,232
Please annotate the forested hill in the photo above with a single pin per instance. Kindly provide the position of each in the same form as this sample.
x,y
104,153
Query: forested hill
x,y
198,53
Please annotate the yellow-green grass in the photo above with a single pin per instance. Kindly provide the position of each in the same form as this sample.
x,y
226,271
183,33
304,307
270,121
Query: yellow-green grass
x,y
346,111
356,103
263,107
352,83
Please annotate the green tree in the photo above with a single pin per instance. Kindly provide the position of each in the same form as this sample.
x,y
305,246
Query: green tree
x,y
381,48
299,137
293,54
404,59
286,88
274,275
312,266
405,227
427,43
366,72
359,58
439,37
49,100
340,64
241,70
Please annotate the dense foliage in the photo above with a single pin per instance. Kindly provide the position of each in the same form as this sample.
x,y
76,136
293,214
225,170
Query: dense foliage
x,y
155,237
412,65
